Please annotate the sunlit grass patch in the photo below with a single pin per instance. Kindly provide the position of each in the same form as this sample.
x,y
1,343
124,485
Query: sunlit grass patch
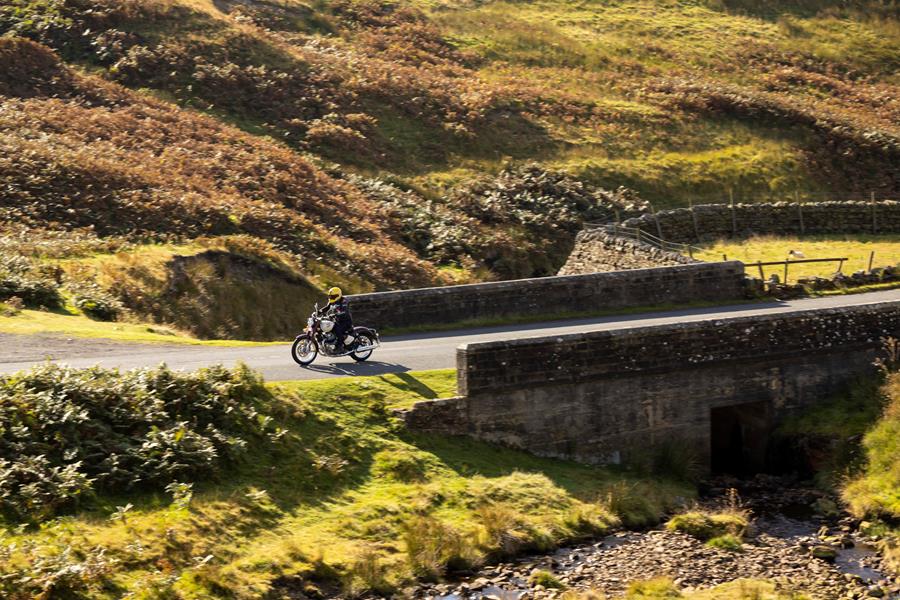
x,y
856,248
32,322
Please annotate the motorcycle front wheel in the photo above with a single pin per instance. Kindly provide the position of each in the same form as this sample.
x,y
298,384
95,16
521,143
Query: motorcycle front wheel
x,y
363,340
304,350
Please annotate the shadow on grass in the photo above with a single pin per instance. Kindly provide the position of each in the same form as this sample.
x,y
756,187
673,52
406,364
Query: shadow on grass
x,y
412,384
468,458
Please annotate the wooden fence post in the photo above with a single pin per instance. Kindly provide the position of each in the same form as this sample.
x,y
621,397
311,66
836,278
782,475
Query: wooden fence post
x,y
762,274
800,212
656,219
871,259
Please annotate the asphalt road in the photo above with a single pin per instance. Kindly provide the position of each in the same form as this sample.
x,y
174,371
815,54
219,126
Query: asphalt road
x,y
410,352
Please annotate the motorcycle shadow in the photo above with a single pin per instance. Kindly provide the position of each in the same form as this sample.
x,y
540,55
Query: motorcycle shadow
x,y
363,368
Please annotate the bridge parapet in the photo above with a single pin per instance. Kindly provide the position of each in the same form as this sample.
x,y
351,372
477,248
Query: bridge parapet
x,y
552,296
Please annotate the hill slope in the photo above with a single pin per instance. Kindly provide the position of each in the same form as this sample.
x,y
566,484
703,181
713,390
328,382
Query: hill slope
x,y
237,107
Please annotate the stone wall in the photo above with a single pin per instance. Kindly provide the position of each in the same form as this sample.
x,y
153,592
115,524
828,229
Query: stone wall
x,y
549,296
714,221
598,251
609,396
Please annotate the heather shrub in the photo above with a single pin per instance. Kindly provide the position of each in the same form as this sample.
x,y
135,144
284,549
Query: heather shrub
x,y
20,278
95,302
535,214
65,433
56,571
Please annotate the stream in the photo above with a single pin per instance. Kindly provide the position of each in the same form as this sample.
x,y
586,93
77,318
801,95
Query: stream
x,y
785,531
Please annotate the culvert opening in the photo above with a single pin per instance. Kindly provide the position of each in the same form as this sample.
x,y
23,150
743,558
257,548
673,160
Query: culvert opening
x,y
740,438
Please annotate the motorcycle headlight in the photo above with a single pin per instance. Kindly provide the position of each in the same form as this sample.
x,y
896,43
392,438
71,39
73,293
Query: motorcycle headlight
x,y
309,323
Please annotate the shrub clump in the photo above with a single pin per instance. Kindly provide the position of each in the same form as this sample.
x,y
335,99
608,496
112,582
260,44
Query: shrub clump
x,y
96,303
65,433
434,547
545,579
20,278
706,526
729,542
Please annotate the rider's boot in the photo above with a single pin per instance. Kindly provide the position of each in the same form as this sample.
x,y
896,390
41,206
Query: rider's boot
x,y
349,342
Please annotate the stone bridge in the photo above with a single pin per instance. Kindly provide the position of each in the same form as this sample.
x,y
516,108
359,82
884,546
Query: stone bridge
x,y
714,388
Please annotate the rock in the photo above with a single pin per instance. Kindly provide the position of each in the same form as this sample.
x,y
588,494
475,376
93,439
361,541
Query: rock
x,y
826,553
875,592
481,583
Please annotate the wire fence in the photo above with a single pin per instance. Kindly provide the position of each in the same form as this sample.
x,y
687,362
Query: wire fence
x,y
641,236
730,196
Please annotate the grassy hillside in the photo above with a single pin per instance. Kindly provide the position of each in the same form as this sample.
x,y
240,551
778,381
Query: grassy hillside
x,y
270,491
380,140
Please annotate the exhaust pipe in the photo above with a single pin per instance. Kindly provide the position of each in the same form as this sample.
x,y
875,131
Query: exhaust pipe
x,y
360,349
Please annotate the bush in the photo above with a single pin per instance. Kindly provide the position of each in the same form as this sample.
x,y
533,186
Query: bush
x,y
11,307
66,432
96,303
19,278
54,572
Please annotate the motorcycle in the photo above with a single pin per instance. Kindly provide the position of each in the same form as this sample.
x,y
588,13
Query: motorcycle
x,y
319,337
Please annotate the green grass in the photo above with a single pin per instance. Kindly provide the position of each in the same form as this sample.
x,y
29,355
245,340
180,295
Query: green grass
x,y
349,500
856,248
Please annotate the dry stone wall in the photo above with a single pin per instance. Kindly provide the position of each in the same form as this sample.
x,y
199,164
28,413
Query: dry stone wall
x,y
549,296
609,396
598,251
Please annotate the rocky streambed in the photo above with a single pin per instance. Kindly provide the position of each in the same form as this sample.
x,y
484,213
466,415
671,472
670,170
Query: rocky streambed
x,y
797,540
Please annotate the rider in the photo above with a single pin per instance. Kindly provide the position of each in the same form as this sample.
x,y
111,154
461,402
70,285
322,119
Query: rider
x,y
338,308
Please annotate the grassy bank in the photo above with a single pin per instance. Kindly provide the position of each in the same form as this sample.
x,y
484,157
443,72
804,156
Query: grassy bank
x,y
874,492
338,496
852,443
36,322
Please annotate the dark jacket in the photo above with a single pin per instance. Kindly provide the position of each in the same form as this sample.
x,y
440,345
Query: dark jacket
x,y
340,312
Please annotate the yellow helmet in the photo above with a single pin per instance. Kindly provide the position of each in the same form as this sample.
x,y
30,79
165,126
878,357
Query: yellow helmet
x,y
334,294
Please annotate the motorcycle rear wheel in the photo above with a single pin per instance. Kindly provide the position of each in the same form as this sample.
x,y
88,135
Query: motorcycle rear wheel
x,y
304,350
363,339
